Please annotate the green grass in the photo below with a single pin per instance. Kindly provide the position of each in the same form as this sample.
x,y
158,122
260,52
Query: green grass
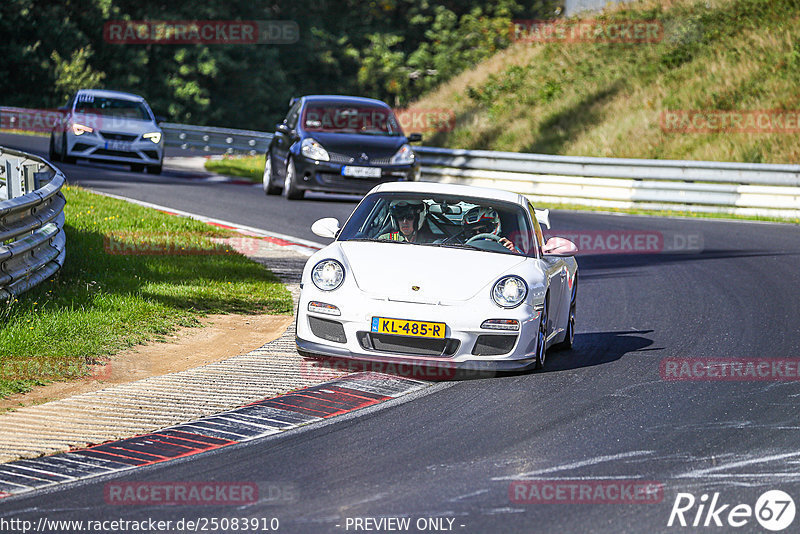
x,y
102,302
606,99
26,132
250,167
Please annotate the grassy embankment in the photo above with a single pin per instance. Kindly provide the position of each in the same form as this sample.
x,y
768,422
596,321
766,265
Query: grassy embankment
x,y
132,275
607,99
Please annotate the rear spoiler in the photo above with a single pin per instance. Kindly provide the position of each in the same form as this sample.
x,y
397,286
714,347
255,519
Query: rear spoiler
x,y
543,216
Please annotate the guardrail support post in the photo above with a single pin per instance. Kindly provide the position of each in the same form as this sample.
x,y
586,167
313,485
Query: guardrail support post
x,y
29,177
13,183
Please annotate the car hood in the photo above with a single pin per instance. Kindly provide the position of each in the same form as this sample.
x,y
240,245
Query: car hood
x,y
442,275
115,124
375,146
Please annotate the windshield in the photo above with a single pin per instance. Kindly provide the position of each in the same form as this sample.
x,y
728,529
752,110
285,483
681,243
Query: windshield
x,y
441,220
342,118
112,107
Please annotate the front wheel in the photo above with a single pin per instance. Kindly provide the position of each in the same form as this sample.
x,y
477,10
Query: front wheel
x,y
269,187
52,155
64,157
290,189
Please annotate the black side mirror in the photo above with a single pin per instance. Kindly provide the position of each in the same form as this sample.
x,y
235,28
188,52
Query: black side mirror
x,y
415,138
283,128
160,118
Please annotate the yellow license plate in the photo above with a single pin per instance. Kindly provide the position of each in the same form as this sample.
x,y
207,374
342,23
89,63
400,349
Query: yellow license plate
x,y
402,327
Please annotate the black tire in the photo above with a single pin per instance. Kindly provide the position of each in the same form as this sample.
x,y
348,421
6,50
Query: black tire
x,y
569,339
64,157
541,343
267,179
52,155
155,169
290,189
137,167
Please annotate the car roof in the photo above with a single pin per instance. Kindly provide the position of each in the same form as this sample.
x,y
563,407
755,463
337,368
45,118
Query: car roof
x,y
105,93
344,99
451,189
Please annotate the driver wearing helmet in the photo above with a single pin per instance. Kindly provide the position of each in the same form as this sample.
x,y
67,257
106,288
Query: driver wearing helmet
x,y
485,220
409,218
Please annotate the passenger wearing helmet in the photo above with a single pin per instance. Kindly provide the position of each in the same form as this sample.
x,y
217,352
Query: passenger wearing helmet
x,y
484,220
409,219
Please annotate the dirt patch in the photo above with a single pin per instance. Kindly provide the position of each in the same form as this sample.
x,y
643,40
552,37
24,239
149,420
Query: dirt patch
x,y
222,337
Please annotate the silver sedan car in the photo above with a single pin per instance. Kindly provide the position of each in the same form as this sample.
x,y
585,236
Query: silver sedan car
x,y
108,126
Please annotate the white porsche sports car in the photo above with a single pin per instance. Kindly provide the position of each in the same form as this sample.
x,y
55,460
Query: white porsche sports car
x,y
439,275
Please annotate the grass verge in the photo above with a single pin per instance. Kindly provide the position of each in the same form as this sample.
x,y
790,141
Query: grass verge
x,y
250,167
132,275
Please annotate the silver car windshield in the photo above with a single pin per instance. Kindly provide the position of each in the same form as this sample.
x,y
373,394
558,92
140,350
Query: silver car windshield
x,y
112,107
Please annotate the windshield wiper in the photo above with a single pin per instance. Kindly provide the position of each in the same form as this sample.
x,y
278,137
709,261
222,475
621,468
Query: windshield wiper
x,y
455,245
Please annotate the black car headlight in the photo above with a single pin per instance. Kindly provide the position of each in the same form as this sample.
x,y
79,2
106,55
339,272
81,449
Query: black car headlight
x,y
327,275
311,149
509,291
404,156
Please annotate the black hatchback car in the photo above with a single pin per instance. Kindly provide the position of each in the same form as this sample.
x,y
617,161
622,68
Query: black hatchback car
x,y
341,144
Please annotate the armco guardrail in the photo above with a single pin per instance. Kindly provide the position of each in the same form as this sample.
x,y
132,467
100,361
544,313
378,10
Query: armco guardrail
x,y
32,241
698,186
206,139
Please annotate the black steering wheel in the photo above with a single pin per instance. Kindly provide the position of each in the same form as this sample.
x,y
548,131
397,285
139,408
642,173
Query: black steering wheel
x,y
491,237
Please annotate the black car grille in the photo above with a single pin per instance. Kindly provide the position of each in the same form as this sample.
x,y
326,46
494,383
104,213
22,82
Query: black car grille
x,y
412,346
152,154
111,136
117,153
338,157
80,147
327,329
493,344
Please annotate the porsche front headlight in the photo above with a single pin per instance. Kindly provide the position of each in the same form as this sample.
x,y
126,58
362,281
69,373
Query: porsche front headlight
x,y
509,291
327,275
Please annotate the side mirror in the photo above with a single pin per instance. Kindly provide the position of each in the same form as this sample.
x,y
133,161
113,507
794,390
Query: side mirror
x,y
283,128
327,227
559,246
543,216
160,119
415,138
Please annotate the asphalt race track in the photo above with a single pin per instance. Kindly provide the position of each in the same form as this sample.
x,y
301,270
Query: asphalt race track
x,y
602,413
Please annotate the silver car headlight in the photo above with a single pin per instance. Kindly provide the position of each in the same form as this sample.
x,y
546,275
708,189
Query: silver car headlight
x,y
327,275
311,149
509,291
404,156
153,136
